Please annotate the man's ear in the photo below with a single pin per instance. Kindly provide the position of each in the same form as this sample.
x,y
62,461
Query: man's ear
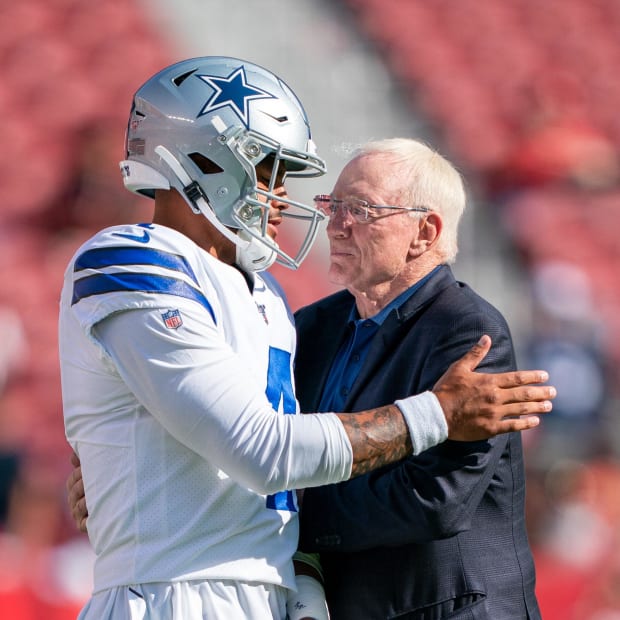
x,y
430,228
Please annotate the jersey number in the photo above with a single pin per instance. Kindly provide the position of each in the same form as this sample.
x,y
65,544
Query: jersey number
x,y
280,390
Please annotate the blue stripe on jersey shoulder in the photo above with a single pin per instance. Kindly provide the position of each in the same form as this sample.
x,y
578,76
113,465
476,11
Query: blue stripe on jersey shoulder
x,y
100,283
143,282
99,258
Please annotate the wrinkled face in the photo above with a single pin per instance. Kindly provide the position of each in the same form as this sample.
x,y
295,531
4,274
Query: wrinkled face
x,y
366,255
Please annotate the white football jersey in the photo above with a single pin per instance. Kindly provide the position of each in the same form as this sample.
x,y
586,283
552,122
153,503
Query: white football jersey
x,y
173,368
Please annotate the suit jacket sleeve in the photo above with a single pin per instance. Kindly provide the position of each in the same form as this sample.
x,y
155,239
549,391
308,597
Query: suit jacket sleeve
x,y
435,494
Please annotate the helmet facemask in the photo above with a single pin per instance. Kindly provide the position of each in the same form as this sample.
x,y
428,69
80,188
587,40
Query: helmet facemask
x,y
251,212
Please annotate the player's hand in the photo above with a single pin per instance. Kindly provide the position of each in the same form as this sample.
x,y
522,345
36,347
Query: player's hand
x,y
478,405
75,494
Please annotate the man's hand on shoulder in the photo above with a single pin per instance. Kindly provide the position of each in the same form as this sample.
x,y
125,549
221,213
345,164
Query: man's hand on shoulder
x,y
480,405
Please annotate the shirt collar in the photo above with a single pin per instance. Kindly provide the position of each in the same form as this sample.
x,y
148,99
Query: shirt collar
x,y
380,317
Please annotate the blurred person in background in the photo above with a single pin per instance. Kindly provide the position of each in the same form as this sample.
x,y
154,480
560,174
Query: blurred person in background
x,y
176,359
568,339
440,534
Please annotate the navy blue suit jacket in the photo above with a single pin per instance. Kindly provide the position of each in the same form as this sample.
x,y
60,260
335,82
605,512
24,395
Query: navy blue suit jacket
x,y
440,535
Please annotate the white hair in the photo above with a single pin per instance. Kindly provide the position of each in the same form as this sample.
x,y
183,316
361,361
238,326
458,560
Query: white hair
x,y
427,179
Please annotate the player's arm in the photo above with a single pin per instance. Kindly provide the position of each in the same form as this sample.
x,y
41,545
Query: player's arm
x,y
473,406
468,406
208,398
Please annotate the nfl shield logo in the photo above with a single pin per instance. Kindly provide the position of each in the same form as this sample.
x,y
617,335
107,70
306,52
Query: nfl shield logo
x,y
172,319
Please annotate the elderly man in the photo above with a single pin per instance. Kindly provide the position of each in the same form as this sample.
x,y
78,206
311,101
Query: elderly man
x,y
440,534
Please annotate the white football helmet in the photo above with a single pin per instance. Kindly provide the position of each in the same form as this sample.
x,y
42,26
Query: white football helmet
x,y
201,126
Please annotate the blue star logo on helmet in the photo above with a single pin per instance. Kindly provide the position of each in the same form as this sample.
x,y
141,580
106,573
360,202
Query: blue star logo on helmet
x,y
234,92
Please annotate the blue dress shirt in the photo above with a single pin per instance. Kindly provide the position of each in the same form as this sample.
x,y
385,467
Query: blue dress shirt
x,y
350,357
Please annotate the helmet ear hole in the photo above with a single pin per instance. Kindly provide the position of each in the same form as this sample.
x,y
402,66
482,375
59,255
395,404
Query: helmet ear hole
x,y
206,165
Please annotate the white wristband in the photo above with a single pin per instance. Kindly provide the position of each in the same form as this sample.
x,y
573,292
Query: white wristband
x,y
425,419
308,601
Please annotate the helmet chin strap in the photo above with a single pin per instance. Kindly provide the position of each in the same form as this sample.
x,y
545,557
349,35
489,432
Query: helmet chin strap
x,y
255,256
251,254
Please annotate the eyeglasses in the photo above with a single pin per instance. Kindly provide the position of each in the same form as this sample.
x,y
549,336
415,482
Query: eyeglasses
x,y
360,210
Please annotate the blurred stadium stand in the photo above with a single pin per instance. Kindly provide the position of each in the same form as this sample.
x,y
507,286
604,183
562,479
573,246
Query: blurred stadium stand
x,y
522,95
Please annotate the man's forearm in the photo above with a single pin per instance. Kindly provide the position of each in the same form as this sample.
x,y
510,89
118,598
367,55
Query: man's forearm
x,y
378,437
475,405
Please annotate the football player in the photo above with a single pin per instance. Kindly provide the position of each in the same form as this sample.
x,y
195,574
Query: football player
x,y
176,353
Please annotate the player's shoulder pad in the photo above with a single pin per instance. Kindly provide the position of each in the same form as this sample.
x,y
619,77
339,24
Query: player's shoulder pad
x,y
136,266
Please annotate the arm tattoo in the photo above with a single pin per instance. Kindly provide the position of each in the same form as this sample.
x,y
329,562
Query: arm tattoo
x,y
378,437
